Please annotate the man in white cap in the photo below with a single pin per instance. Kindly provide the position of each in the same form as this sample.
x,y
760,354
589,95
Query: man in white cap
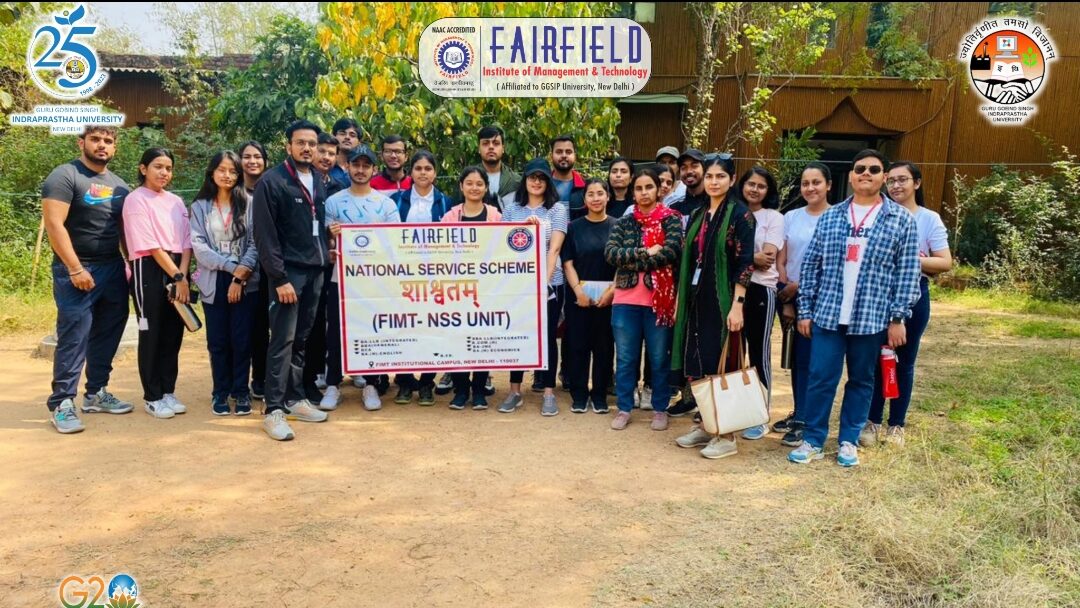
x,y
669,155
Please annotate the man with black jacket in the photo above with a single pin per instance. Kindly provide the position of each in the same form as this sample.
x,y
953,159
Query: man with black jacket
x,y
289,213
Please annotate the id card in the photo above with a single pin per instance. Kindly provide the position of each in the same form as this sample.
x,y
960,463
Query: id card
x,y
697,276
144,325
853,252
314,227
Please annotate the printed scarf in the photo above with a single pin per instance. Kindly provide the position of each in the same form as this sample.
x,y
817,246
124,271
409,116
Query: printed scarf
x,y
663,296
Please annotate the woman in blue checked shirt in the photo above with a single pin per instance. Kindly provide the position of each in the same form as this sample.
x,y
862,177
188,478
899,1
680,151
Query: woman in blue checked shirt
x,y
860,279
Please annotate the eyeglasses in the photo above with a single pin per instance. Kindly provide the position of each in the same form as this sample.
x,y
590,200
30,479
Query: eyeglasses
x,y
873,169
897,181
393,152
719,155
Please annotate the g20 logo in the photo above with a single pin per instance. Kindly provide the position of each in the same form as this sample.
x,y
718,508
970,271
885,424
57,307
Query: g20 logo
x,y
59,64
121,592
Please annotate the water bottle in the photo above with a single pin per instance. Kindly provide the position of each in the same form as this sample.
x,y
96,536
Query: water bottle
x,y
787,351
890,387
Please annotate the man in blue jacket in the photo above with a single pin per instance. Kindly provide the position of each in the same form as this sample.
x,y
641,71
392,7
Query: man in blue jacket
x,y
859,280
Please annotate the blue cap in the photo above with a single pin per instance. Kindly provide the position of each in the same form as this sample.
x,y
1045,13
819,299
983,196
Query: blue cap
x,y
537,165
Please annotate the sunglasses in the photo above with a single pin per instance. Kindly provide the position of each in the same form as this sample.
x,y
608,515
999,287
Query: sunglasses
x,y
873,169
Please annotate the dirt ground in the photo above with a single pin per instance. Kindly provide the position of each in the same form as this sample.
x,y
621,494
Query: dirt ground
x,y
408,506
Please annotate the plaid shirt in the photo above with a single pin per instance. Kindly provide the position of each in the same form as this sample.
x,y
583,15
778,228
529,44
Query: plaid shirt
x,y
888,284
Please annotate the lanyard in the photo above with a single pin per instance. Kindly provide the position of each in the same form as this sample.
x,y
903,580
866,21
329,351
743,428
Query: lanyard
x,y
225,219
303,188
851,208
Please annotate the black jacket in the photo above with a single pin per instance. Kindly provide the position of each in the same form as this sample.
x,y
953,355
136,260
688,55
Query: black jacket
x,y
283,223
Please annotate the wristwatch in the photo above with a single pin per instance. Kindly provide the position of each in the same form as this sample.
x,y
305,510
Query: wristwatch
x,y
899,320
178,277
740,299
237,281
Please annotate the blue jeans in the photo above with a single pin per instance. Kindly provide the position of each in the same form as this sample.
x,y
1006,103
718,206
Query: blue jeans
x,y
228,338
89,326
800,375
905,363
631,324
828,351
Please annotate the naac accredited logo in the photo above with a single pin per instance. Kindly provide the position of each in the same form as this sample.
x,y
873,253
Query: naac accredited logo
x,y
1008,62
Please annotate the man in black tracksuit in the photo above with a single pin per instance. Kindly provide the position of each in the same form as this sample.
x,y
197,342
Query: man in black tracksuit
x,y
289,217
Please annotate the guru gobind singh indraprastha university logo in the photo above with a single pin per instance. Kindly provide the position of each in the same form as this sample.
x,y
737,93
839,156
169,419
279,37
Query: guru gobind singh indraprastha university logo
x,y
61,62
454,57
1008,62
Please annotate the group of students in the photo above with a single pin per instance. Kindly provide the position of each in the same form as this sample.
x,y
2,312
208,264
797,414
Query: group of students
x,y
659,264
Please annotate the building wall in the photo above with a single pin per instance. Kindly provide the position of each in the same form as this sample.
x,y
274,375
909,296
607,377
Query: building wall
x,y
935,124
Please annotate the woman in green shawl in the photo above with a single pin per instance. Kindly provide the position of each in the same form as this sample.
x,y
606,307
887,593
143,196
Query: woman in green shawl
x,y
713,278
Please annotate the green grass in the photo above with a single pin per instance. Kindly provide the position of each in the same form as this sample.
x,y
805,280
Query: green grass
x,y
27,312
1005,301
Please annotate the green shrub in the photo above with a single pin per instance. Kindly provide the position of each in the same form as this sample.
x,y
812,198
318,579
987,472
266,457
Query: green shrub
x,y
1022,230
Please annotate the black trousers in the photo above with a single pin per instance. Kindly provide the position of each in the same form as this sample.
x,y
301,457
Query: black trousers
x,y
161,332
315,358
588,337
290,325
462,384
260,334
548,376
759,312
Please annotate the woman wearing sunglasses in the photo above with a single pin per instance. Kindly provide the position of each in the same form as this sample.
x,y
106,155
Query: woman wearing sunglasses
x,y
860,279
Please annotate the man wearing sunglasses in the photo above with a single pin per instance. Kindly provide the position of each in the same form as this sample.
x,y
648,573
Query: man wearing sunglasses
x,y
859,280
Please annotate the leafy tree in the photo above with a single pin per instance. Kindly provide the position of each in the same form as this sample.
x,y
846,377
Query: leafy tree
x,y
373,77
257,102
221,28
767,42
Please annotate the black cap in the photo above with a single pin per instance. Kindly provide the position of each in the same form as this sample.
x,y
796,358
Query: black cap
x,y
364,151
694,154
537,165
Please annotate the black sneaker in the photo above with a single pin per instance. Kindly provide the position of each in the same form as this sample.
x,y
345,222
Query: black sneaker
x,y
794,437
579,407
785,425
383,385
682,408
243,406
600,407
427,395
538,384
257,390
404,396
479,402
445,385
220,407
489,387
697,417
459,401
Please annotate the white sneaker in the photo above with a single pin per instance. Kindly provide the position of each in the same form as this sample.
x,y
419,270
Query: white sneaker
x,y
305,412
330,399
372,401
275,425
869,435
646,398
158,409
359,382
719,448
174,403
695,438
320,382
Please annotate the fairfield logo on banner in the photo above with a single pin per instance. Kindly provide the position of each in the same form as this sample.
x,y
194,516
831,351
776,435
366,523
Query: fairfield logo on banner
x,y
494,57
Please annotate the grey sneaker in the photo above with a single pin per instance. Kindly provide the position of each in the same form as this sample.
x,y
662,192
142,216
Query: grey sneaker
x,y
512,403
104,401
275,425
64,418
719,448
697,437
305,412
550,406
869,435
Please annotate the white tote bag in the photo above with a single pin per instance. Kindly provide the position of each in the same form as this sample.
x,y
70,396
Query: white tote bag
x,y
730,402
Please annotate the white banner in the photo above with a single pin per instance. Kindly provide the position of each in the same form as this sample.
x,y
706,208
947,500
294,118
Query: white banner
x,y
442,297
